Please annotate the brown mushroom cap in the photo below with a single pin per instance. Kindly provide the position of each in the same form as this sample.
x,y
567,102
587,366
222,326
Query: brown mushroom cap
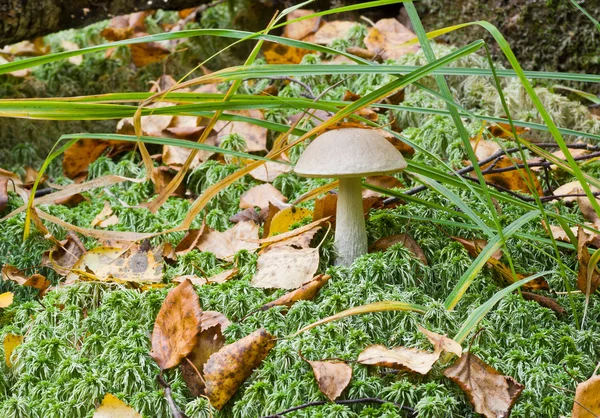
x,y
349,152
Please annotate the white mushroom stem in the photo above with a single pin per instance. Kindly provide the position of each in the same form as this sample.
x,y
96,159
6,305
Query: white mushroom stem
x,y
350,232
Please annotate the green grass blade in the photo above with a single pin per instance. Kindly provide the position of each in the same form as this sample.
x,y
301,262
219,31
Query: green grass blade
x,y
585,12
493,245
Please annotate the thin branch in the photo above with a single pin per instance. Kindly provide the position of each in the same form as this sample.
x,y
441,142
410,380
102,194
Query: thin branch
x,y
169,395
411,411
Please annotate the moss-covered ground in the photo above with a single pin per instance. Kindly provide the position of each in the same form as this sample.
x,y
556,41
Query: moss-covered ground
x,y
85,340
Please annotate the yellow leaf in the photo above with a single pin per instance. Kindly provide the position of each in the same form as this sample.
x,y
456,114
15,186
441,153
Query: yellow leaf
x,y
287,217
11,341
113,407
6,299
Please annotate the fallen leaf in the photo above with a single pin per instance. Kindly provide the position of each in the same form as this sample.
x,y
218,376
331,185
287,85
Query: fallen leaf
x,y
105,217
284,219
331,31
113,407
504,131
306,292
572,188
587,210
226,370
11,341
283,54
72,46
255,136
492,394
300,30
175,157
386,37
441,342
545,301
6,299
146,53
587,399
286,237
260,196
210,341
224,245
177,326
82,153
302,240
474,246
63,256
161,177
332,377
268,214
401,358
115,264
385,182
190,240
587,281
248,214
382,244
270,170
37,281
325,207
286,268
27,48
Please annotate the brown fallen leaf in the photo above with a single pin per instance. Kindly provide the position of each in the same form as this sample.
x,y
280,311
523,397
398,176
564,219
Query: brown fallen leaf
x,y
81,154
37,281
386,37
255,136
190,240
161,177
286,268
72,46
382,244
545,301
177,326
588,280
302,240
270,170
105,217
224,245
331,31
511,180
573,188
63,256
268,214
587,210
492,394
260,196
248,214
210,341
148,52
226,370
285,218
325,207
27,48
441,342
332,377
306,292
116,264
385,182
11,341
113,407
175,157
587,399
6,299
300,30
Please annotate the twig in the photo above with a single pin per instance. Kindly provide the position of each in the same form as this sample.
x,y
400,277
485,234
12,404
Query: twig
x,y
411,411
168,394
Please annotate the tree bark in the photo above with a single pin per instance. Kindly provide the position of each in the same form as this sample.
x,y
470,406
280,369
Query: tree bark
x,y
27,19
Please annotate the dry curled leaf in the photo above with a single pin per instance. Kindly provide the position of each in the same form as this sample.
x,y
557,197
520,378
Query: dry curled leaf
x,y
113,407
177,326
116,264
105,217
332,377
492,394
588,280
226,370
382,244
587,399
261,196
441,342
63,256
286,268
37,281
224,245
401,358
545,301
11,341
6,299
210,340
306,292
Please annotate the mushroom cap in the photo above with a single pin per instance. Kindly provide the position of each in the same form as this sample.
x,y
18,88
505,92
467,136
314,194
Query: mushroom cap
x,y
349,152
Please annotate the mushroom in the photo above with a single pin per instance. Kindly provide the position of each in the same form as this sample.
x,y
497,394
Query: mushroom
x,y
349,154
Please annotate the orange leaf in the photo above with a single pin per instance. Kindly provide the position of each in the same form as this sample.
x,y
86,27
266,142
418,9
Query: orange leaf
x,y
177,326
406,240
587,399
306,292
